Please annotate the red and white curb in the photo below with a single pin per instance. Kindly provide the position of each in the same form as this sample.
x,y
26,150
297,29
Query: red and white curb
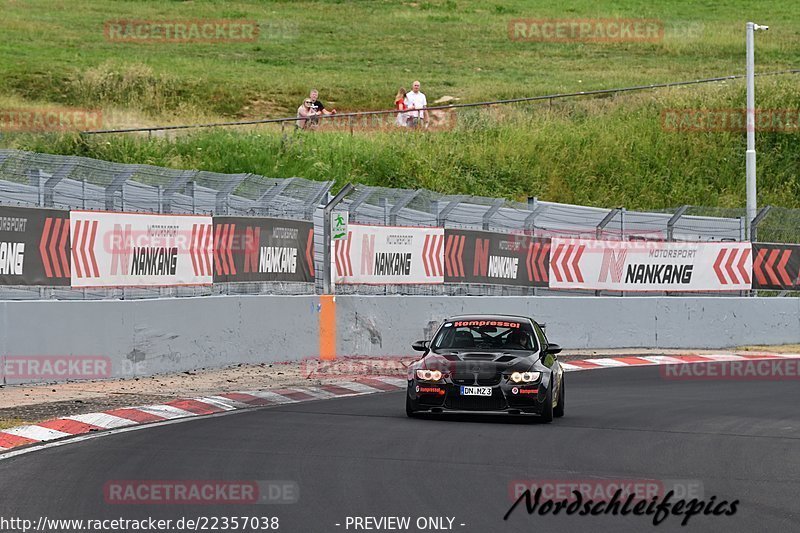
x,y
652,360
70,426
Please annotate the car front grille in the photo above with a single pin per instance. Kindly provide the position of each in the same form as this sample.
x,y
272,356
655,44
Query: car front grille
x,y
484,380
489,380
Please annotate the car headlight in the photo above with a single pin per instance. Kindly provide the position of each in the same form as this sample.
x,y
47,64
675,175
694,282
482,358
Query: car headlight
x,y
429,375
525,377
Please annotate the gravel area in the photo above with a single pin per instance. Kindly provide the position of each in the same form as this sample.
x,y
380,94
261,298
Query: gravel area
x,y
33,403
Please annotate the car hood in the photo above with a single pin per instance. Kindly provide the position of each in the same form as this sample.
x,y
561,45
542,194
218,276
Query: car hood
x,y
464,361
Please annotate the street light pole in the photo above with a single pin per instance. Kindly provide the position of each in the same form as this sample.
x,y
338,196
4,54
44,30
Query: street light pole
x,y
750,155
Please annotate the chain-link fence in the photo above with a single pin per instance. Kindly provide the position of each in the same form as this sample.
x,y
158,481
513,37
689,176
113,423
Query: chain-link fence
x,y
69,182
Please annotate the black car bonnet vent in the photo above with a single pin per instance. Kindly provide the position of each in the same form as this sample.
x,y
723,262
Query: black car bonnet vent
x,y
478,356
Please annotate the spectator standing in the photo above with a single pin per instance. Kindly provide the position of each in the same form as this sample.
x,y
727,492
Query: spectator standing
x,y
400,105
306,115
318,106
416,100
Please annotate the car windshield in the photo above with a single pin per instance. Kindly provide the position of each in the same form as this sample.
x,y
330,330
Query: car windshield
x,y
485,335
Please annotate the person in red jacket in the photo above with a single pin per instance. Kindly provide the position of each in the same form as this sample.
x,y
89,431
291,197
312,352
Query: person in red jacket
x,y
400,105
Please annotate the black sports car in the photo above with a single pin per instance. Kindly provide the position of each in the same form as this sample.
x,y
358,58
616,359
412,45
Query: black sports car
x,y
487,363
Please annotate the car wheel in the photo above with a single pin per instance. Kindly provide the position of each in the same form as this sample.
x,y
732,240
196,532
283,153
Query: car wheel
x,y
547,410
558,411
410,413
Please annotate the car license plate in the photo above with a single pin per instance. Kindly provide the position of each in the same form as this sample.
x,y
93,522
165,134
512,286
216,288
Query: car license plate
x,y
476,391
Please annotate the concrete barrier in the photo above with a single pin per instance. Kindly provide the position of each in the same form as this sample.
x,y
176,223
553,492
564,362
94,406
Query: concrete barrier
x,y
143,337
377,325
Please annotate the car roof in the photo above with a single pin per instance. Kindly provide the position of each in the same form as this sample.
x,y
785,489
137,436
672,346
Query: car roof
x,y
489,317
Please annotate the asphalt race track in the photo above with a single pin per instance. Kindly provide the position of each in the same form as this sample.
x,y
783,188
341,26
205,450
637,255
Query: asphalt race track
x,y
361,456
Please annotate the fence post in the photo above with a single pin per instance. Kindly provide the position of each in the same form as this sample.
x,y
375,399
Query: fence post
x,y
316,200
674,220
190,190
40,185
178,183
404,201
223,197
384,203
536,210
365,193
492,211
117,184
326,229
51,182
273,192
622,233
598,232
762,213
441,217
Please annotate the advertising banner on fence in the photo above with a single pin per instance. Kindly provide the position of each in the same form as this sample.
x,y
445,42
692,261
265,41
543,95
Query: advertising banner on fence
x,y
776,266
390,254
34,246
263,249
495,258
138,249
650,266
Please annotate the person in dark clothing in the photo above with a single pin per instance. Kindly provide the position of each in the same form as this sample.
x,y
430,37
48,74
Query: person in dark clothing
x,y
318,106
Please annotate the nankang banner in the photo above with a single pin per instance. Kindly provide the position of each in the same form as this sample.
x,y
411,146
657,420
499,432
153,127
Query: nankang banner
x,y
495,258
34,246
137,249
650,266
389,255
776,266
263,249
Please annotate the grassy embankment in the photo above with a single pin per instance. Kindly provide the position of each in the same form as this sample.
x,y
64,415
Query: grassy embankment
x,y
608,152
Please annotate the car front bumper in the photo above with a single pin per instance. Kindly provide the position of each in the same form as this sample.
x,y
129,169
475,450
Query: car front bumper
x,y
506,398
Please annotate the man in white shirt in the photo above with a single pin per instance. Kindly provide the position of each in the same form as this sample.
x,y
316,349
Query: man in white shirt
x,y
416,100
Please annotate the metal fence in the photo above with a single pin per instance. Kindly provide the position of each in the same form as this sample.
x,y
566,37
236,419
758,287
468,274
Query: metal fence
x,y
69,182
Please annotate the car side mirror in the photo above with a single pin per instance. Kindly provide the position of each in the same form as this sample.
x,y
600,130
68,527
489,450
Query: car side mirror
x,y
421,346
553,349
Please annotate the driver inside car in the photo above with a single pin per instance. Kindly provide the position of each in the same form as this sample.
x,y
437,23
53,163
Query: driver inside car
x,y
517,340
